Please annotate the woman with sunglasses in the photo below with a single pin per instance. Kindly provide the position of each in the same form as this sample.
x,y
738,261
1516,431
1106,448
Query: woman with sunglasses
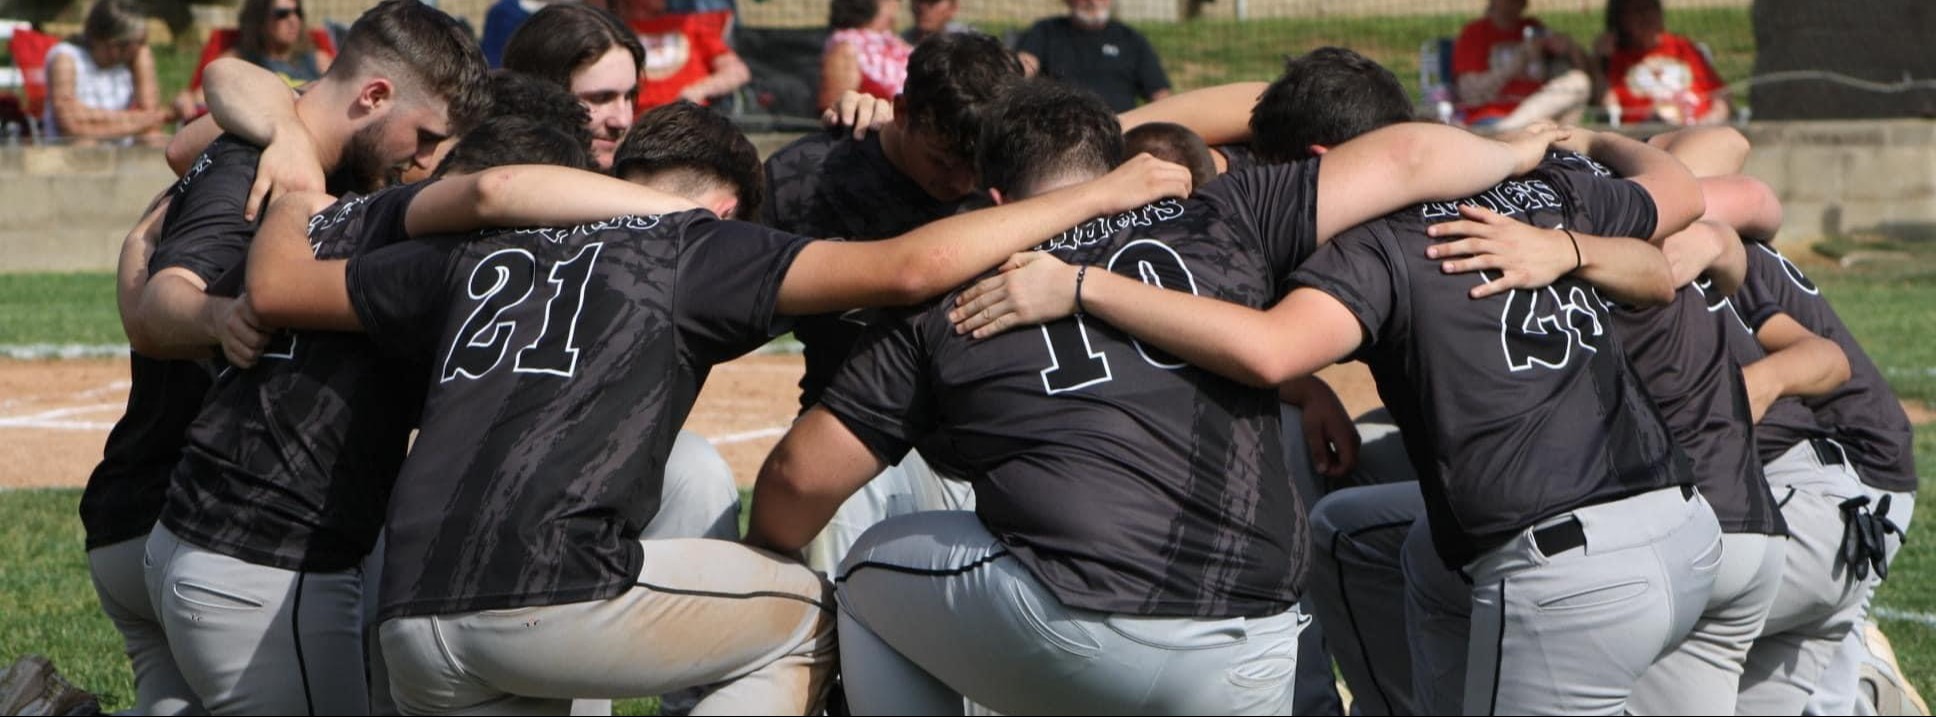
x,y
274,35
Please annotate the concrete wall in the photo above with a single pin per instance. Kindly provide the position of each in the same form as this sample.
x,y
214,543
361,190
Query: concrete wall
x,y
67,208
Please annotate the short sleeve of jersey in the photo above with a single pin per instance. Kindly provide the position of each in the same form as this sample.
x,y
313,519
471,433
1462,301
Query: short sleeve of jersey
x,y
1769,286
1616,207
399,293
1356,268
1281,202
729,281
205,232
380,225
882,393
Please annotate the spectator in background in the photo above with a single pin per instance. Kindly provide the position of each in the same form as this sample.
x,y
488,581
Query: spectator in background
x,y
1090,50
933,17
503,19
1511,72
589,52
101,83
1654,75
863,54
686,56
273,35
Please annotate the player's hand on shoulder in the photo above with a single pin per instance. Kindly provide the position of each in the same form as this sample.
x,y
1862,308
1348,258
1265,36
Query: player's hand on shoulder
x,y
860,111
287,165
1513,254
1033,287
1529,144
1141,180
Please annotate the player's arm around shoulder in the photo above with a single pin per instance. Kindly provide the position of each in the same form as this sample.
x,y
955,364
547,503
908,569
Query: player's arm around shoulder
x,y
288,287
1799,363
815,467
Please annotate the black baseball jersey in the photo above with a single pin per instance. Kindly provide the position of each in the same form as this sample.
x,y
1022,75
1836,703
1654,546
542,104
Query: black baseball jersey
x,y
291,461
1787,421
1863,413
1680,352
1237,157
562,363
832,186
1126,480
202,232
1516,407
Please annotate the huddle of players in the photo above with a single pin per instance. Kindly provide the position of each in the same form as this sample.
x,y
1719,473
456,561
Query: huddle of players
x,y
1134,546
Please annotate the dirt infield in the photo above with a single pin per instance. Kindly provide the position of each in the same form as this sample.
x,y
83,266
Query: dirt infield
x,y
55,415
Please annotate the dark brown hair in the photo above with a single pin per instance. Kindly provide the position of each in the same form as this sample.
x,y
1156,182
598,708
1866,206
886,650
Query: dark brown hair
x,y
564,37
423,48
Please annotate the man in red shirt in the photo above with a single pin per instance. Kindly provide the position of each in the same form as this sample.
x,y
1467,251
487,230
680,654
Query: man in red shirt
x,y
1510,71
686,56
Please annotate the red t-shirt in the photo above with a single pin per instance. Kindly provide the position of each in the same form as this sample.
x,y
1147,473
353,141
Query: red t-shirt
x,y
679,50
1482,46
1646,79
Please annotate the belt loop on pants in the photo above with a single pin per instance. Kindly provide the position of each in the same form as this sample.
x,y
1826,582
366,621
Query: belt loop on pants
x,y
1829,452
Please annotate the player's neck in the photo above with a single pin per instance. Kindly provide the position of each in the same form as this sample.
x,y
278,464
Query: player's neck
x,y
894,147
329,133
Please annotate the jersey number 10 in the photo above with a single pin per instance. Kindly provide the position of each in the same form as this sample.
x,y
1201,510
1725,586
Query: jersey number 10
x,y
1073,364
502,282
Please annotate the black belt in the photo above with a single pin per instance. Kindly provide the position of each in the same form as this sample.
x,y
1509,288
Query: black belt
x,y
1828,452
1569,534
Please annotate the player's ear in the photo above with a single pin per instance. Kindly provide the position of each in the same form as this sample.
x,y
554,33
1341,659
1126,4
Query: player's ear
x,y
996,194
1318,150
376,94
725,206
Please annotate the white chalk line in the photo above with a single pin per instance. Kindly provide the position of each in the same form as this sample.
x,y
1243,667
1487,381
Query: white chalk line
x,y
36,352
1921,618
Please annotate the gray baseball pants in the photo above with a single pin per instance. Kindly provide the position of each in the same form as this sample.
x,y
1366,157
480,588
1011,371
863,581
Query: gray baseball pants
x,y
1703,675
934,609
252,639
1572,631
758,627
1820,599
159,688
1837,693
1356,590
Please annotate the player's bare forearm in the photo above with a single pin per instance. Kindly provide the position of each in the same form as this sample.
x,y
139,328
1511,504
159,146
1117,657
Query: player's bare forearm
x,y
1628,270
1305,332
190,140
288,287
815,467
922,264
1745,203
530,196
1707,248
249,101
176,318
1676,194
1220,114
1707,151
1401,165
1799,362
131,270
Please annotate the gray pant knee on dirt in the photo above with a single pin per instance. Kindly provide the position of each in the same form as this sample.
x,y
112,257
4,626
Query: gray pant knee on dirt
x,y
252,639
119,581
934,609
704,612
1571,632
1820,597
